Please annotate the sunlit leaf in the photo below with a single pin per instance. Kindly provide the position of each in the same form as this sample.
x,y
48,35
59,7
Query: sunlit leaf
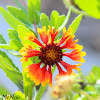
x,y
22,31
15,44
4,46
13,34
19,95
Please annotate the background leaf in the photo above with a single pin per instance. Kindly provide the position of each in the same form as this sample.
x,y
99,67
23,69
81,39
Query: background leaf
x,y
34,7
70,4
3,90
94,75
20,6
89,6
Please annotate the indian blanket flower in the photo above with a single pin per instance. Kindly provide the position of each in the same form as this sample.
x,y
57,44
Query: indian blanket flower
x,y
50,54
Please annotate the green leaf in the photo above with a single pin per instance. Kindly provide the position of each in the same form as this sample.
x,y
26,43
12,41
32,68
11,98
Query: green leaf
x,y
19,95
13,34
22,31
44,20
66,20
11,70
15,44
3,90
14,53
34,7
20,6
20,15
89,6
4,46
74,25
60,21
3,42
94,75
12,21
54,19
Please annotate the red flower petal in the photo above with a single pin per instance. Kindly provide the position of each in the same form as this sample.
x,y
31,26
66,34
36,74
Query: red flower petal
x,y
43,34
76,55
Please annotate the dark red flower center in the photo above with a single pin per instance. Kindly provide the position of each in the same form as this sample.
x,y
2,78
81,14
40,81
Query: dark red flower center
x,y
50,54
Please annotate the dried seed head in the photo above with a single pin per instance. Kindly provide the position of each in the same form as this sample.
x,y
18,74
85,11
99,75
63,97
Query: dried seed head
x,y
63,85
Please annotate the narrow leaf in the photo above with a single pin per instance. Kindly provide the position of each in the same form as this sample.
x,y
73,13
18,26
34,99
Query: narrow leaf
x,y
20,15
34,6
11,70
12,21
44,20
66,20
4,46
74,25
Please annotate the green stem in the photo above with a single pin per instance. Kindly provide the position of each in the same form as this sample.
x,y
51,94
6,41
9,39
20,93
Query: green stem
x,y
30,92
87,95
42,89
